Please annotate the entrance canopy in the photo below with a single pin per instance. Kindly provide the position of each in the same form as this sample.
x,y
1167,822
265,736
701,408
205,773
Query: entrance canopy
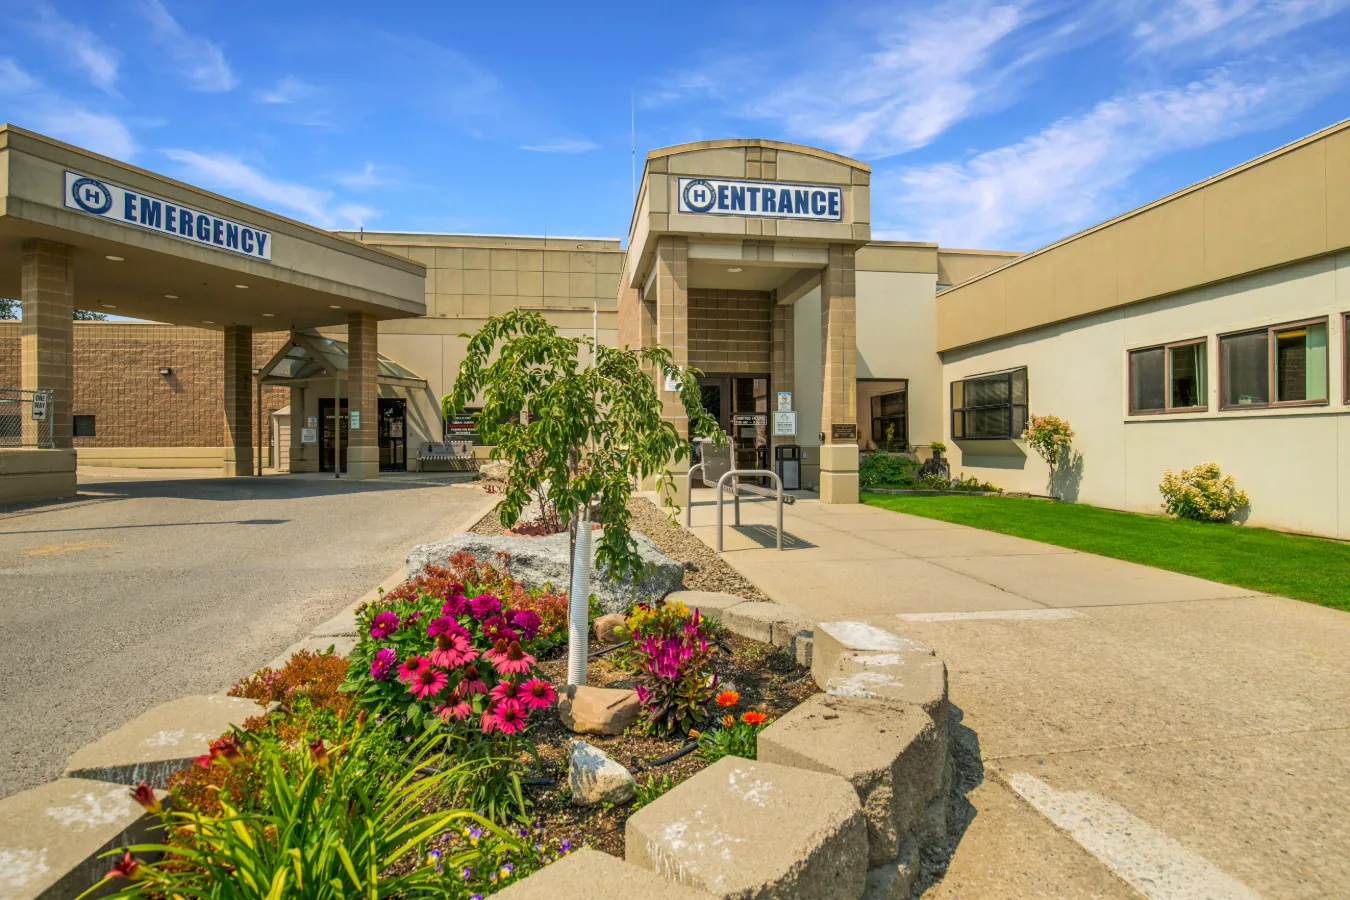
x,y
150,247
312,357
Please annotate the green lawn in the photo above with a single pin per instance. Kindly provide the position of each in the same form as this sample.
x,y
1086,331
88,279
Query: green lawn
x,y
1291,565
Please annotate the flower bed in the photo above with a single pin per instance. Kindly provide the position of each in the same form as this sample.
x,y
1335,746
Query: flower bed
x,y
439,739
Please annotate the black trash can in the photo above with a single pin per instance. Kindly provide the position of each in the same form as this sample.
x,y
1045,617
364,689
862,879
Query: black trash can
x,y
788,464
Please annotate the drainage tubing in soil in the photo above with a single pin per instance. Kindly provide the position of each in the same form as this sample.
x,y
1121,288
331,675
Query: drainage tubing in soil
x,y
668,758
596,654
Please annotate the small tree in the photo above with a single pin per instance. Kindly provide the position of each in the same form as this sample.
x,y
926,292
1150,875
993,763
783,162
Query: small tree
x,y
579,434
1052,439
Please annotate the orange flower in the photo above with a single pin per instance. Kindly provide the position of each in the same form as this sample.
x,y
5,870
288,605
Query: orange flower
x,y
728,698
754,718
728,721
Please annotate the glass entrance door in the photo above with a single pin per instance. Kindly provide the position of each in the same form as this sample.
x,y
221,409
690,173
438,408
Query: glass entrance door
x,y
328,435
393,434
740,403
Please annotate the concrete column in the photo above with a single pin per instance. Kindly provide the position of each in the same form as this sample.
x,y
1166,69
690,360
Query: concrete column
x,y
783,374
238,400
672,332
48,335
303,457
839,369
363,449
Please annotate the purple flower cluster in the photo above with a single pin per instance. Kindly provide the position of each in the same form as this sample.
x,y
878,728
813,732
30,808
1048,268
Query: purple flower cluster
x,y
384,624
485,606
383,663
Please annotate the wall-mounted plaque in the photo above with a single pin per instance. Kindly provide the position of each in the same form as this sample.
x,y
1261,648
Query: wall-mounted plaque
x,y
841,431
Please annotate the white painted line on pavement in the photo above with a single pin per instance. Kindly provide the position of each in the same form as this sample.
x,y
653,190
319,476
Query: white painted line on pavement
x,y
991,614
1157,865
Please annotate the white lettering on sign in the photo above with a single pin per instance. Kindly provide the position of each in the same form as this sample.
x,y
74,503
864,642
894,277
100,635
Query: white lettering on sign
x,y
354,420
111,201
761,199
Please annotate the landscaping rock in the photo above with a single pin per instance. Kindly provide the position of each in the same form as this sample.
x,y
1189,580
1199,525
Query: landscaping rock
x,y
609,628
160,741
890,754
595,778
802,649
495,471
905,677
591,875
55,835
830,639
894,880
743,828
591,710
542,561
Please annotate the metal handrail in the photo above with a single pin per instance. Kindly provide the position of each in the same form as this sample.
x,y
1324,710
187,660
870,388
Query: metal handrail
x,y
736,494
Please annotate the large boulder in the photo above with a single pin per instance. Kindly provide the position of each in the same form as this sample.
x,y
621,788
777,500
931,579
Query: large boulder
x,y
541,561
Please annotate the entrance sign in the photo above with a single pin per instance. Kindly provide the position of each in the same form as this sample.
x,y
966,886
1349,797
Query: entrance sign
x,y
309,435
785,423
761,199
127,207
785,401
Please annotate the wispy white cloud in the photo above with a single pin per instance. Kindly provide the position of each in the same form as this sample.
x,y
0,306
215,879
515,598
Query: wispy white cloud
x,y
1070,174
77,44
32,104
232,175
288,90
562,146
200,61
367,177
1214,26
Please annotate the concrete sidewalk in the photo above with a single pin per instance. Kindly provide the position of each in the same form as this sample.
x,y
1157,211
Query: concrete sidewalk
x,y
1141,732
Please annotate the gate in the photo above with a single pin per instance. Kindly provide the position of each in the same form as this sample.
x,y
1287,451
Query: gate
x,y
26,419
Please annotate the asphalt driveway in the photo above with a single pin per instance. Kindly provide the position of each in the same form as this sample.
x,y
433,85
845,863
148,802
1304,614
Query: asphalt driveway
x,y
151,586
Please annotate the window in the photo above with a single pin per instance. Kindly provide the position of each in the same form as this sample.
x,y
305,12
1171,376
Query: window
x,y
990,407
888,421
1170,378
84,426
1284,364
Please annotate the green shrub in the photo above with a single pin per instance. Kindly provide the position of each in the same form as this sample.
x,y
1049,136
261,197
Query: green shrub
x,y
1201,493
651,789
884,469
969,483
734,738
1050,436
671,656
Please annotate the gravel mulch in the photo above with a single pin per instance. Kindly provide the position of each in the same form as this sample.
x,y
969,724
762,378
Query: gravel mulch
x,y
704,570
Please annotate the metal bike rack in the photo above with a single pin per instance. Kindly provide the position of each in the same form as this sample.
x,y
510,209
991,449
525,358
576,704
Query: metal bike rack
x,y
689,495
738,474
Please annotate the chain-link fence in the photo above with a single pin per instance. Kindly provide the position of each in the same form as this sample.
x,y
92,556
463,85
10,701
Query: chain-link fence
x,y
26,419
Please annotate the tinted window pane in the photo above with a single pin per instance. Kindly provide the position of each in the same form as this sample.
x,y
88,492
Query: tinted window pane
x,y
986,391
83,426
1243,365
1019,386
995,422
1300,363
958,424
1188,376
1148,389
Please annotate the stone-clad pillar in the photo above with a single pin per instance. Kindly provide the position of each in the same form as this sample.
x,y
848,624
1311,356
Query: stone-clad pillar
x,y
363,450
238,400
48,336
839,366
672,332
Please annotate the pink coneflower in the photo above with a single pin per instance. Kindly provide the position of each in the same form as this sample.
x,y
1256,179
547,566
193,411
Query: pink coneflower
x,y
538,694
457,711
505,690
508,717
412,667
471,684
514,661
384,624
428,682
453,650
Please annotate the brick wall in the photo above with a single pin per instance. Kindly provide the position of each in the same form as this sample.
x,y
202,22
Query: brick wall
x,y
730,331
117,381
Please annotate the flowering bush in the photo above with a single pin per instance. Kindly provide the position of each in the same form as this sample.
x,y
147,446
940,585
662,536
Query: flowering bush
x,y
671,657
733,738
1050,436
1201,493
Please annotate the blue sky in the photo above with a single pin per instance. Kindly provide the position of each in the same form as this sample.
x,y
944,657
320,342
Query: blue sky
x,y
999,124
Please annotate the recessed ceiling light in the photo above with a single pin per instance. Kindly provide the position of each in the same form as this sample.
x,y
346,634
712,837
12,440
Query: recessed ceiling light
x,y
108,305
242,287
170,296
734,269
114,258
335,306
208,322
270,315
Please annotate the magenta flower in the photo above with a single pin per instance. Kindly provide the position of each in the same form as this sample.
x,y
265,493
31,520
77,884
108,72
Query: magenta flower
x,y
428,682
383,663
458,711
471,684
453,650
507,717
412,667
526,621
484,606
538,694
384,624
455,605
505,690
443,625
496,629
514,661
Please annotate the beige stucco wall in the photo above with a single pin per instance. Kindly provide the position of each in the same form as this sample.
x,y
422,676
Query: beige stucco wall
x,y
1292,462
897,324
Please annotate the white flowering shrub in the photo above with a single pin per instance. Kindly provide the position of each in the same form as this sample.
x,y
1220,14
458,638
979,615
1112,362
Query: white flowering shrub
x,y
1202,493
1050,436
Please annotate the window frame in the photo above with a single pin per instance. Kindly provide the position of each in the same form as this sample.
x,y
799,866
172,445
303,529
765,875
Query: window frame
x,y
1271,385
93,422
1168,409
1025,406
